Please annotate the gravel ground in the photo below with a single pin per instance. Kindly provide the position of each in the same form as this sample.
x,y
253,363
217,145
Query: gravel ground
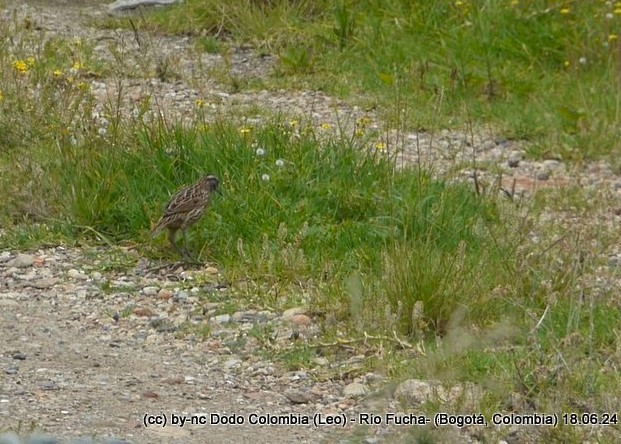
x,y
77,358
97,341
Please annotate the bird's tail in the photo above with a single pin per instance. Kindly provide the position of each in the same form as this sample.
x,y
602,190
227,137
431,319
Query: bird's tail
x,y
157,228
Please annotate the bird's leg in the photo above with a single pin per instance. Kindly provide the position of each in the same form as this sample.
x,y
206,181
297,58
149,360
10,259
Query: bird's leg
x,y
171,237
185,253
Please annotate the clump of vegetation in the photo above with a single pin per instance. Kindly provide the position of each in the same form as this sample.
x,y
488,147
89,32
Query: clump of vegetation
x,y
529,68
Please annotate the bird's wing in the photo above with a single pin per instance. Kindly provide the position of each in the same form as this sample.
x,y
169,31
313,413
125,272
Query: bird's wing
x,y
184,203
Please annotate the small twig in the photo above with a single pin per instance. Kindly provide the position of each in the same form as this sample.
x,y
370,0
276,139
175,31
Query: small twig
x,y
136,36
172,265
545,312
510,194
100,235
476,183
367,337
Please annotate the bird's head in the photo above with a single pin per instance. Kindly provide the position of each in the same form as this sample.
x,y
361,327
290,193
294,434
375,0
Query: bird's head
x,y
211,183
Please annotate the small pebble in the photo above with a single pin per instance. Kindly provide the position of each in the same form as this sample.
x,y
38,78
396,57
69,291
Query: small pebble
x,y
222,319
75,274
150,291
354,390
543,174
514,159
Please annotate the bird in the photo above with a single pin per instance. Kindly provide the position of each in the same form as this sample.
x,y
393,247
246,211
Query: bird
x,y
184,209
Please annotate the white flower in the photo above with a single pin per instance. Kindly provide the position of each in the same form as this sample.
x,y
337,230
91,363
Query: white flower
x,y
582,60
609,16
102,131
260,152
266,177
280,163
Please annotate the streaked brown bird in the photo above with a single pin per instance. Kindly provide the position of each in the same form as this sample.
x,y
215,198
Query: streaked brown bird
x,y
185,209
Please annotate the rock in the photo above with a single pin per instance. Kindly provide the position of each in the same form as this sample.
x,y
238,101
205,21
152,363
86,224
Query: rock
x,y
21,261
414,392
181,296
251,316
232,363
120,6
44,283
514,159
298,397
164,293
5,256
75,274
291,312
320,360
487,145
222,319
354,390
551,164
372,377
143,312
301,321
150,291
543,174
121,283
18,356
614,260
211,270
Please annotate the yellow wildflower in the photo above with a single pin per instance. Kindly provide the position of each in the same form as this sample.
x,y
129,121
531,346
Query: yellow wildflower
x,y
293,123
617,10
30,61
380,146
57,73
364,121
566,63
199,103
245,129
565,11
20,66
325,126
612,37
77,65
1,96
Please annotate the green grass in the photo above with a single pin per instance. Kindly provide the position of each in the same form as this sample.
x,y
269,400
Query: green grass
x,y
541,70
